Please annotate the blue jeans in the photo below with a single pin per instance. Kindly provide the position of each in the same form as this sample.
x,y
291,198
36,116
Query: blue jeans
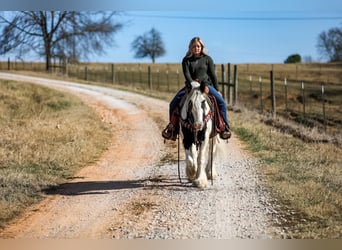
x,y
220,102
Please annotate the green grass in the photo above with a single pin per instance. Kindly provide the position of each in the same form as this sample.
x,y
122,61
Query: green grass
x,y
45,137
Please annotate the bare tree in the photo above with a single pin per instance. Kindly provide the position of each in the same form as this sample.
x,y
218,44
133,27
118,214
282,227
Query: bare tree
x,y
329,44
63,34
150,44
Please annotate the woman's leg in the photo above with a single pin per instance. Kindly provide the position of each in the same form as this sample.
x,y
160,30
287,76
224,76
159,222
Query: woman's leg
x,y
175,101
171,130
226,134
221,103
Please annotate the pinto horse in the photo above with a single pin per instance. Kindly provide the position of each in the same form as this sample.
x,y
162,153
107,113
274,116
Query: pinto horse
x,y
197,130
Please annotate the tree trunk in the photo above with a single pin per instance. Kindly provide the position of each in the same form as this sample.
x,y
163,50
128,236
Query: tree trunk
x,y
47,56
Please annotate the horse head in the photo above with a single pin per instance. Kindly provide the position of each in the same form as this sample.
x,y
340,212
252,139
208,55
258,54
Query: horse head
x,y
196,110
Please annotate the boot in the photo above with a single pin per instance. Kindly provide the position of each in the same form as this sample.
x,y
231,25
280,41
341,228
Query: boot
x,y
172,129
225,134
170,133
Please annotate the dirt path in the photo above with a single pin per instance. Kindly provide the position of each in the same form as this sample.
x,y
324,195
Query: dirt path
x,y
134,191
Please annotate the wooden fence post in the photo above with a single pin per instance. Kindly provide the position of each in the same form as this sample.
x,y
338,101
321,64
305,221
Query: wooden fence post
x,y
285,88
323,104
303,98
140,77
235,85
8,64
273,98
113,73
149,77
86,73
167,80
223,81
260,93
229,97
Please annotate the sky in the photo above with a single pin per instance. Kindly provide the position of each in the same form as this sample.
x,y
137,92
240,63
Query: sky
x,y
239,31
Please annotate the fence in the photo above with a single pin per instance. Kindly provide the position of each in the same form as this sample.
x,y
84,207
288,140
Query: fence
x,y
307,93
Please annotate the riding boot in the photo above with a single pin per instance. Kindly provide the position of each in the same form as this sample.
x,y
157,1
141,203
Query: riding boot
x,y
172,129
225,134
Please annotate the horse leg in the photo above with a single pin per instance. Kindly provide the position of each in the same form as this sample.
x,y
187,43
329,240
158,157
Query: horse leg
x,y
191,163
211,167
201,178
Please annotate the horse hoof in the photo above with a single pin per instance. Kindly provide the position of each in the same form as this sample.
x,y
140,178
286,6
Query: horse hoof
x,y
212,177
201,183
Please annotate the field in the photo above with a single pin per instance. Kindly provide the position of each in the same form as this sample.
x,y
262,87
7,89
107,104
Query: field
x,y
45,137
300,150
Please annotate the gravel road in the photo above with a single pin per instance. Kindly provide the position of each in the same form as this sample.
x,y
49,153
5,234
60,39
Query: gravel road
x,y
133,191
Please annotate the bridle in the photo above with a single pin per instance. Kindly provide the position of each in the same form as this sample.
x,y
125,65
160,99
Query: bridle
x,y
188,124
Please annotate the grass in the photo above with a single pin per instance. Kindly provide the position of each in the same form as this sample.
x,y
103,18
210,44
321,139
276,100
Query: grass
x,y
45,137
299,164
304,178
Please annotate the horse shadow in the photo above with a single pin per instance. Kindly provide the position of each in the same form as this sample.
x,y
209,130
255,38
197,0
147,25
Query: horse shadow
x,y
75,188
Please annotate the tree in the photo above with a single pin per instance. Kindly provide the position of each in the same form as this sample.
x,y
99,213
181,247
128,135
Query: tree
x,y
295,58
57,34
150,44
329,44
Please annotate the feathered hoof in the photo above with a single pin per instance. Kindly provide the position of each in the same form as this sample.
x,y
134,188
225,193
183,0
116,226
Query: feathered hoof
x,y
212,177
191,174
201,183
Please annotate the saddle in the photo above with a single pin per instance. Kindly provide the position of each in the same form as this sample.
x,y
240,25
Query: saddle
x,y
218,119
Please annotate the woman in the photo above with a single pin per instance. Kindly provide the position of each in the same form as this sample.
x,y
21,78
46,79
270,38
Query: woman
x,y
197,66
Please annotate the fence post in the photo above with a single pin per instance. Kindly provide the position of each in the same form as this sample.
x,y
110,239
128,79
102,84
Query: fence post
x,y
86,73
323,104
229,85
235,85
167,80
223,81
9,64
140,77
149,77
260,93
113,73
285,88
273,98
303,98
158,79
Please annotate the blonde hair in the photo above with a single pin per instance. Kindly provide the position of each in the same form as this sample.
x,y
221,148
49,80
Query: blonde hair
x,y
192,41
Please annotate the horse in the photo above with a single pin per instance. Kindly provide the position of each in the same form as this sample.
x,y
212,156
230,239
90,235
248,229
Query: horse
x,y
197,129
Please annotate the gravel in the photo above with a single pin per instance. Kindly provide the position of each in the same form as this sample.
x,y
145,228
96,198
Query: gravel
x,y
134,191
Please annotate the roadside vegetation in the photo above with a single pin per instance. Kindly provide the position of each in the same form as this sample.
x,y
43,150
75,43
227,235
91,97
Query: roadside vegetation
x,y
305,179
46,136
300,165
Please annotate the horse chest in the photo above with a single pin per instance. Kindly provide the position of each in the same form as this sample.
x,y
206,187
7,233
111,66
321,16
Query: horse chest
x,y
190,137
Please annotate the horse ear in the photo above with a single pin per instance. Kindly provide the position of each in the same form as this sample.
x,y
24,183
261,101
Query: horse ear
x,y
195,84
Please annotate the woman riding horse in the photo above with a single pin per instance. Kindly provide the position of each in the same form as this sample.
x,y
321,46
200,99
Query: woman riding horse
x,y
197,66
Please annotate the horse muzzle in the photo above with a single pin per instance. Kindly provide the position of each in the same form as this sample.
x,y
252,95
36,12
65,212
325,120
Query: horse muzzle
x,y
198,126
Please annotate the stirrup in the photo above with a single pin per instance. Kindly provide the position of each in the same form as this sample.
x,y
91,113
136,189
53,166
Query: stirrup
x,y
225,135
169,134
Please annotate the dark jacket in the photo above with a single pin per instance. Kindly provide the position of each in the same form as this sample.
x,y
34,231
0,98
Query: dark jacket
x,y
201,69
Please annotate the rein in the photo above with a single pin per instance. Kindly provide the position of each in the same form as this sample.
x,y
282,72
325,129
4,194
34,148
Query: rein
x,y
191,126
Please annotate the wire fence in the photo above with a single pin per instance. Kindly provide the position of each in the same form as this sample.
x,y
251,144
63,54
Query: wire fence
x,y
306,93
